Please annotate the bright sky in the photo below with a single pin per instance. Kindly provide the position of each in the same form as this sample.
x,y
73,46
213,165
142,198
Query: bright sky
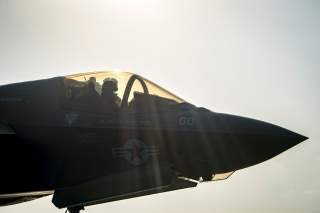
x,y
253,58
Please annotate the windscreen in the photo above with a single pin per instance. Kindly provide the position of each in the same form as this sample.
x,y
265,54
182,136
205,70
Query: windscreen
x,y
76,83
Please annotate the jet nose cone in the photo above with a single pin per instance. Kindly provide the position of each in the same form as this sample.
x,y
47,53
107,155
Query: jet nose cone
x,y
300,138
295,138
288,140
247,141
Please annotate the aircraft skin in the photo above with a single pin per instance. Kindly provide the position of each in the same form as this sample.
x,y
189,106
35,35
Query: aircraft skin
x,y
153,144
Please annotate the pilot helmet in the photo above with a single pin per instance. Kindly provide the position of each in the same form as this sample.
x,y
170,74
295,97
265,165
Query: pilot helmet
x,y
92,79
111,84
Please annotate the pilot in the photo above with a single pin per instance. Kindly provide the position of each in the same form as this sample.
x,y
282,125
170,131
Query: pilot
x,y
109,93
97,86
88,94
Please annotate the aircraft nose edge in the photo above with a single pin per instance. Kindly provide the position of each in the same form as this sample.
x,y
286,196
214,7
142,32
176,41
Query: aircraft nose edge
x,y
293,138
300,138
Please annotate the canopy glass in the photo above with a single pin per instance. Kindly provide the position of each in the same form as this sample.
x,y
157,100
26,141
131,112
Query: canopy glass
x,y
127,85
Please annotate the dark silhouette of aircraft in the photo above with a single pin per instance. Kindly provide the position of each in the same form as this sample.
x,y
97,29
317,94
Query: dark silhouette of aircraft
x,y
75,138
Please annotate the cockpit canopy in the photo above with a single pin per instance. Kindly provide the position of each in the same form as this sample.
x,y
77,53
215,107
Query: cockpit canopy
x,y
123,88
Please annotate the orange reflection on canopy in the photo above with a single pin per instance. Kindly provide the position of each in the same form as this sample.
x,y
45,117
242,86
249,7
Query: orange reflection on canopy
x,y
122,78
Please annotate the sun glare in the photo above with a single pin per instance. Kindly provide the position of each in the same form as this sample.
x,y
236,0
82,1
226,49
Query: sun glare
x,y
137,7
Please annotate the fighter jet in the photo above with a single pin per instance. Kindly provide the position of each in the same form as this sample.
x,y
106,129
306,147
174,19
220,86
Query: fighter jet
x,y
104,136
